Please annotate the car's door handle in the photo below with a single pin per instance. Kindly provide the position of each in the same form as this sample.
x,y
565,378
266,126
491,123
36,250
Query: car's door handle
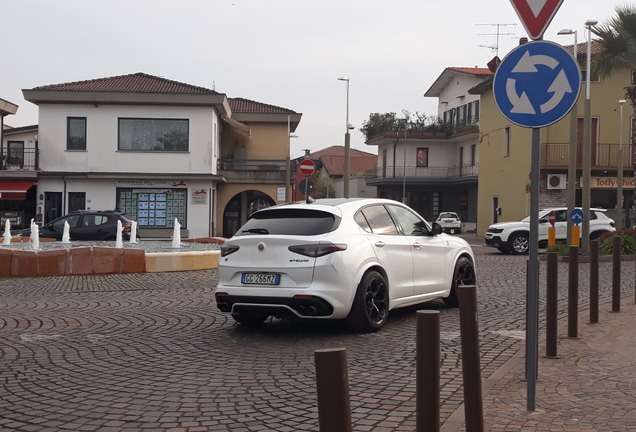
x,y
380,244
417,245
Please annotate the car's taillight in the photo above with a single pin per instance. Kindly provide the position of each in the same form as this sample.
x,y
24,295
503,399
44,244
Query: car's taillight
x,y
127,227
439,219
316,250
612,223
228,249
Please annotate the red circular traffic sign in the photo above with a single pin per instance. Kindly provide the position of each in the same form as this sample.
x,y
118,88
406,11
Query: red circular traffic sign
x,y
307,167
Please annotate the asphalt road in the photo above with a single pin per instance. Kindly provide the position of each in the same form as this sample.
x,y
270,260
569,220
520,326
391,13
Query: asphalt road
x,y
150,352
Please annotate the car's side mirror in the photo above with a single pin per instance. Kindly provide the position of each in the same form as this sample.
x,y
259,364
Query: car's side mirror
x,y
437,229
543,221
50,227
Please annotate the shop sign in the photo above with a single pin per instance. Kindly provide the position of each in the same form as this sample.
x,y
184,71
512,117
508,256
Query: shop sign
x,y
610,182
199,197
152,183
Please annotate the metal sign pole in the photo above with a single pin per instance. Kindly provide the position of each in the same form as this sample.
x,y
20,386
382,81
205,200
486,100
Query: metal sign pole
x,y
532,302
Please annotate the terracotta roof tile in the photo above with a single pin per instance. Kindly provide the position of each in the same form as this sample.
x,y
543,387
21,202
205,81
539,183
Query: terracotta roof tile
x,y
133,83
474,71
339,151
240,105
358,165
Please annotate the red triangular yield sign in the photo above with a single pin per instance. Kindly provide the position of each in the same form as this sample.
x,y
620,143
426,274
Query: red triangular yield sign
x,y
536,15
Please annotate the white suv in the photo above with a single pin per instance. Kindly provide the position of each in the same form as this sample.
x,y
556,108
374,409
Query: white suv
x,y
512,237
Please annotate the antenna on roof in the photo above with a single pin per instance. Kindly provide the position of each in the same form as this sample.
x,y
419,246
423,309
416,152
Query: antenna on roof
x,y
495,47
213,85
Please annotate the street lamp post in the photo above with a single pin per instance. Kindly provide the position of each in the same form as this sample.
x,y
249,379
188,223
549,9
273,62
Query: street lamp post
x,y
347,144
404,167
571,192
619,182
288,162
587,145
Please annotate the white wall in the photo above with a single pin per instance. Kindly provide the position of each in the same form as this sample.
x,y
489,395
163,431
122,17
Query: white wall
x,y
101,153
450,96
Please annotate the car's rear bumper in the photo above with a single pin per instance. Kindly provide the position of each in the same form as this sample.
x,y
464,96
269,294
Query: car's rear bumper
x,y
301,307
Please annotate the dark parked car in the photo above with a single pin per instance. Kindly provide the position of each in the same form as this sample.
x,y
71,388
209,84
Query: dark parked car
x,y
86,225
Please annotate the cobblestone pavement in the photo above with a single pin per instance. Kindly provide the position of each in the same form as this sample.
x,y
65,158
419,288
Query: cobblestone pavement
x,y
150,352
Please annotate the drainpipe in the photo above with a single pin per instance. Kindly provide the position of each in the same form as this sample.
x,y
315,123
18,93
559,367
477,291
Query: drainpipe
x,y
64,198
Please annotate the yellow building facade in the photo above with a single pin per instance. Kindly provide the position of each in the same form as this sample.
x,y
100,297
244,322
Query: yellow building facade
x,y
505,154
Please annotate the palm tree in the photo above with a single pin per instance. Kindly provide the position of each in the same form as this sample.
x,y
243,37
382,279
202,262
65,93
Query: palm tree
x,y
617,40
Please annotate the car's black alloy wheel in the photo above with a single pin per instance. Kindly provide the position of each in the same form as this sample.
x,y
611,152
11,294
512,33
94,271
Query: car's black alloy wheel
x,y
463,275
371,304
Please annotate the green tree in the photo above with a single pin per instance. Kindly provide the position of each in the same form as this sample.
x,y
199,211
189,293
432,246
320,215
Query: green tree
x,y
617,38
323,186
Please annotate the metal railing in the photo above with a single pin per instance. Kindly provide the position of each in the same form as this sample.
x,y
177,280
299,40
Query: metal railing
x,y
251,165
457,171
603,155
19,159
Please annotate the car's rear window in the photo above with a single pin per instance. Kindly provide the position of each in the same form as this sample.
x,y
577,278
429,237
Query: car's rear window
x,y
290,222
448,215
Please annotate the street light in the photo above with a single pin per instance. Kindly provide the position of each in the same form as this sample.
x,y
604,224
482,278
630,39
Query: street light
x,y
619,185
571,193
347,144
587,144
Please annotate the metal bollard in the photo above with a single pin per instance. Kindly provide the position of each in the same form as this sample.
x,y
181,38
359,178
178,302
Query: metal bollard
x,y
551,307
332,384
616,275
471,369
428,371
573,292
594,281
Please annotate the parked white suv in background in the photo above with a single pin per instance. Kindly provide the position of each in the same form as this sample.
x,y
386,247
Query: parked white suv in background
x,y
512,237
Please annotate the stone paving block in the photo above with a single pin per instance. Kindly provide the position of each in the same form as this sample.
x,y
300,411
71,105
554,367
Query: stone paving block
x,y
134,261
24,263
51,262
79,261
107,260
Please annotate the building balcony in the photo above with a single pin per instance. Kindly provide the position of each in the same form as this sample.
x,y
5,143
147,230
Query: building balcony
x,y
18,160
452,174
269,171
604,156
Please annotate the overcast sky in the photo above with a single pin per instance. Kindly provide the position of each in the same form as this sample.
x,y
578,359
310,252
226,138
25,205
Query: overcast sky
x,y
287,53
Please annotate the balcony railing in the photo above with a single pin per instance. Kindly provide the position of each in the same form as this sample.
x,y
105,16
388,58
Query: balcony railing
x,y
19,159
251,164
411,172
603,155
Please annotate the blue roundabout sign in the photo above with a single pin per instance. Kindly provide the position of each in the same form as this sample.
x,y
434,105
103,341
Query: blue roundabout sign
x,y
576,216
537,84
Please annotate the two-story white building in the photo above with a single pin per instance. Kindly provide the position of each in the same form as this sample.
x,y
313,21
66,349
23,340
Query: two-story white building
x,y
145,145
435,169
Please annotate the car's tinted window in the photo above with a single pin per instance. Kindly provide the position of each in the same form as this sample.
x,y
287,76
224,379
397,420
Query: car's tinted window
x,y
411,224
379,220
447,215
290,222
72,222
362,221
593,215
94,220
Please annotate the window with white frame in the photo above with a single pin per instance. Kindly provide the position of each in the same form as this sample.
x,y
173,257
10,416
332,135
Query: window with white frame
x,y
153,134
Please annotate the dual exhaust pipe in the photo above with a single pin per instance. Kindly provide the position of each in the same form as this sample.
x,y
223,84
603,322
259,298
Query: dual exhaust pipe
x,y
306,311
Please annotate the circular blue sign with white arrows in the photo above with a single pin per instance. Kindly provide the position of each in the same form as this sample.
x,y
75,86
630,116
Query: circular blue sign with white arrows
x,y
576,216
537,84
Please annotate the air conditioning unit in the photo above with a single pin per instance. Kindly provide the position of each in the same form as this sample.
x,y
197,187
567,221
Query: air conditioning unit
x,y
557,181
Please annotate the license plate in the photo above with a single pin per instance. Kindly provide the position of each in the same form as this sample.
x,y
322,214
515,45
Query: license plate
x,y
260,278
448,221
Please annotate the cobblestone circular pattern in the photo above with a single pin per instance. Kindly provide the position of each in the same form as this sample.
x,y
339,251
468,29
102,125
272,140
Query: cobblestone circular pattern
x,y
150,352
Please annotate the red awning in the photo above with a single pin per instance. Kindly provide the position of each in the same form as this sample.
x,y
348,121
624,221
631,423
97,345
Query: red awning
x,y
15,189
